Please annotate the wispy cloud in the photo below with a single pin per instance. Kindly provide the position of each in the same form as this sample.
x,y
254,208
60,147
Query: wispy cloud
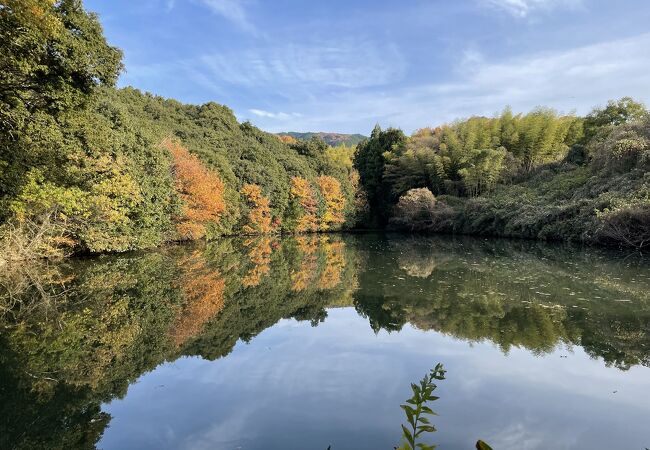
x,y
523,8
232,10
351,63
574,79
272,115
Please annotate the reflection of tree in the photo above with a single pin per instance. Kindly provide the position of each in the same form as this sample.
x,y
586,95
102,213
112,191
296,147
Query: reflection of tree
x,y
62,364
334,263
622,341
290,290
66,417
303,276
259,253
510,293
123,315
203,290
120,316
416,257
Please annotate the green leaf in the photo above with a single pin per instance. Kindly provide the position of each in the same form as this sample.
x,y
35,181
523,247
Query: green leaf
x,y
407,435
407,409
480,445
410,417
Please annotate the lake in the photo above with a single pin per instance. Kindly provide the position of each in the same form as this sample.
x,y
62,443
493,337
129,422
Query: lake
x,y
310,342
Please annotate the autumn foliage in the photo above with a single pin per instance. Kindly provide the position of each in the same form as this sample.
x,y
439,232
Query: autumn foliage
x,y
200,189
259,210
330,189
304,205
203,289
287,139
303,277
259,253
334,264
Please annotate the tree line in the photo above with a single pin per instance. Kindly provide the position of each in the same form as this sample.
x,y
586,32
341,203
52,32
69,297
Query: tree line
x,y
536,175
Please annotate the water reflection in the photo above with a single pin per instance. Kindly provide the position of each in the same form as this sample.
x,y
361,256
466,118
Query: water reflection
x,y
109,320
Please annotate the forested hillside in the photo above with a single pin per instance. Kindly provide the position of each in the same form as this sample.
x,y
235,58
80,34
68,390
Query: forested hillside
x,y
539,175
87,167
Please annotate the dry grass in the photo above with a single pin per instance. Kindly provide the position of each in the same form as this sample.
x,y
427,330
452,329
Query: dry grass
x,y
629,226
28,278
30,240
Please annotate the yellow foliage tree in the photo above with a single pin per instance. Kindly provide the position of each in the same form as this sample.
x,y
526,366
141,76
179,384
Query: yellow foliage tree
x,y
35,14
334,216
259,210
200,189
305,208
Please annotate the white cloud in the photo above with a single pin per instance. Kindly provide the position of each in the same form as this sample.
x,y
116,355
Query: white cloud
x,y
336,88
574,79
347,63
232,10
523,8
272,115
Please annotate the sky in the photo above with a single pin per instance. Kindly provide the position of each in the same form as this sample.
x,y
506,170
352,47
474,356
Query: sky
x,y
346,65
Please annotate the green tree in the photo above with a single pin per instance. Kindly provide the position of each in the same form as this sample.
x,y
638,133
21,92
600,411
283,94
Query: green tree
x,y
54,56
369,160
617,112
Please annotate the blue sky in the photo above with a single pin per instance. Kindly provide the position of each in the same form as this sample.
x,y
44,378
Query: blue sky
x,y
345,65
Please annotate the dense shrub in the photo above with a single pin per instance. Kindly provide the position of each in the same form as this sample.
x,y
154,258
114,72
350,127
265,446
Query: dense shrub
x,y
414,210
627,224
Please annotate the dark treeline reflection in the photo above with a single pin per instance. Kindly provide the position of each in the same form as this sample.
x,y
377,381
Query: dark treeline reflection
x,y
512,293
75,335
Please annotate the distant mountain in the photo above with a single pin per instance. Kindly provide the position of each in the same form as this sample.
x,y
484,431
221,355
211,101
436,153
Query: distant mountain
x,y
333,139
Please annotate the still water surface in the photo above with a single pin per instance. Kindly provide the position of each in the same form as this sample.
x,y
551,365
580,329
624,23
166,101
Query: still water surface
x,y
309,342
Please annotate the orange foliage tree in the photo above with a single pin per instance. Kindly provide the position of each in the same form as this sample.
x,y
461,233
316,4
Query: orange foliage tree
x,y
288,139
200,189
259,210
334,215
304,208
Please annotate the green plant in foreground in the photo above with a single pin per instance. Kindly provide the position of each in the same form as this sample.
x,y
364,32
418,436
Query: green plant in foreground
x,y
417,411
480,445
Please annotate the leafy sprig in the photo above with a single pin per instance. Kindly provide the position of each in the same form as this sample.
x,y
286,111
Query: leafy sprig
x,y
416,410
